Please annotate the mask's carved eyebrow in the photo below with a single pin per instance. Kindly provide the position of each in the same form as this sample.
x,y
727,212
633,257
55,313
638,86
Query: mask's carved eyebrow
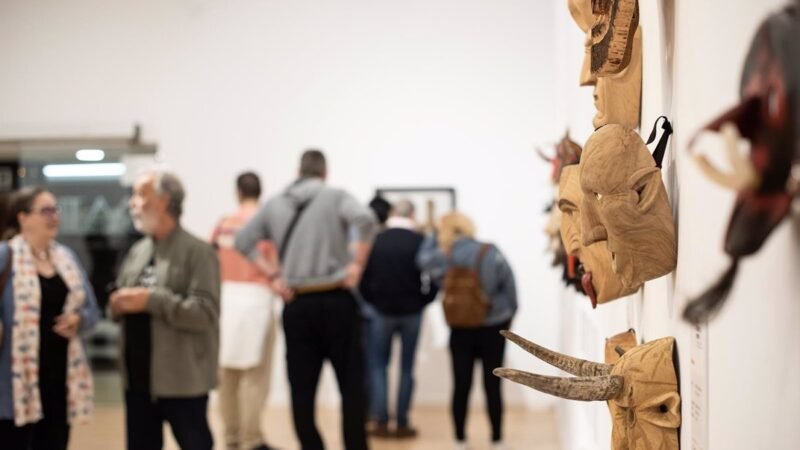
x,y
566,204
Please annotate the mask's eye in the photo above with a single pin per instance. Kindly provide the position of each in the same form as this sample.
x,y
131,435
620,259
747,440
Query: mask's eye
x,y
598,196
639,191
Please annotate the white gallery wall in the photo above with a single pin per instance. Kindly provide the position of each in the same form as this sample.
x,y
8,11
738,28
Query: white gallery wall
x,y
415,93
693,57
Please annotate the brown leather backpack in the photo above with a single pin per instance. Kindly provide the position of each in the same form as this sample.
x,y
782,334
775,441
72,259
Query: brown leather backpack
x,y
465,302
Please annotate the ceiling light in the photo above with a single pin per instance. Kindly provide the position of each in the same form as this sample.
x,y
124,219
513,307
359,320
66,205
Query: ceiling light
x,y
102,170
90,154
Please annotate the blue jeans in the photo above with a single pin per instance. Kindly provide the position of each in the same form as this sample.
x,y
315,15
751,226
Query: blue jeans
x,y
383,329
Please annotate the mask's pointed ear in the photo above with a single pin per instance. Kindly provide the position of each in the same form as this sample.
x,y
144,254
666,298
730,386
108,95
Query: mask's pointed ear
x,y
647,184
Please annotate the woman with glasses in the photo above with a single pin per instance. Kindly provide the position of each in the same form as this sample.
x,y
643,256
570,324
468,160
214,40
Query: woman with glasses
x,y
47,301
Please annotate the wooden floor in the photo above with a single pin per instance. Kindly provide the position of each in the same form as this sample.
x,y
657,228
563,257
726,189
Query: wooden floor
x,y
524,430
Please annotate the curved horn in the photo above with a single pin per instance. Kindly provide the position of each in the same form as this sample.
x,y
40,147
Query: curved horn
x,y
580,388
743,171
575,366
714,174
541,154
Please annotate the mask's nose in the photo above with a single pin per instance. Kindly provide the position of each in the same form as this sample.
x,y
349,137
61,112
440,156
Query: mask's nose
x,y
592,227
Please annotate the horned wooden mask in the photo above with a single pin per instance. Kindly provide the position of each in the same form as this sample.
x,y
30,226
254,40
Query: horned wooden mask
x,y
641,389
626,205
598,280
612,58
768,116
568,152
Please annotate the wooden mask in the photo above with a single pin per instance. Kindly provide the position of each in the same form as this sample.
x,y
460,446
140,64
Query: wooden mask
x,y
618,98
641,389
612,58
625,205
768,116
616,22
598,280
568,152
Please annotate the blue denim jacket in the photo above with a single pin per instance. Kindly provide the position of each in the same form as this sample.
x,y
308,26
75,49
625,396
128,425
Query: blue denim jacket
x,y
497,278
89,316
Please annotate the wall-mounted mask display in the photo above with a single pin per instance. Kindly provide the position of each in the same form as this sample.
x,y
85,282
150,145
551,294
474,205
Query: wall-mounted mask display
x,y
768,116
625,204
598,280
612,58
641,389
567,153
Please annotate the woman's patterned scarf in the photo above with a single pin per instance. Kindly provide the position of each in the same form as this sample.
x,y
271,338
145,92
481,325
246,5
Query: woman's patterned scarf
x,y
25,336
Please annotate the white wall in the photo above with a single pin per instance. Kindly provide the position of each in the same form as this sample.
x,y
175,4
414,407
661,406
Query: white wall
x,y
693,56
452,92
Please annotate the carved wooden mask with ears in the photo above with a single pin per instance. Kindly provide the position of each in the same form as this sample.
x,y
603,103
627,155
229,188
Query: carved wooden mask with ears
x,y
625,204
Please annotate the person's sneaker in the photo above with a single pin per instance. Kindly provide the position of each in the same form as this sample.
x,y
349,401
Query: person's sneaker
x,y
264,447
405,432
379,430
461,445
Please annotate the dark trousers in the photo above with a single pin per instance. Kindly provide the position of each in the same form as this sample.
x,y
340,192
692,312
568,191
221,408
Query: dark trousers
x,y
144,419
321,326
13,437
466,346
50,433
45,434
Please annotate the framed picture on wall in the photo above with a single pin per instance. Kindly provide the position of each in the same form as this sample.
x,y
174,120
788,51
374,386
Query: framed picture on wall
x,y
430,203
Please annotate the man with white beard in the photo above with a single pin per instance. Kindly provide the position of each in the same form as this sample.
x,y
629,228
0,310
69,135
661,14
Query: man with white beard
x,y
168,303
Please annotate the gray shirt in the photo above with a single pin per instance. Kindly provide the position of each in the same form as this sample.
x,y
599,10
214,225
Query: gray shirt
x,y
317,252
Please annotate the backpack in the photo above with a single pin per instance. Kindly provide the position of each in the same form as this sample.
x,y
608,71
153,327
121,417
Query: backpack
x,y
465,302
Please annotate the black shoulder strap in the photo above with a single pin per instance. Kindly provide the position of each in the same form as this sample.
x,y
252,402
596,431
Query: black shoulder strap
x,y
289,231
661,147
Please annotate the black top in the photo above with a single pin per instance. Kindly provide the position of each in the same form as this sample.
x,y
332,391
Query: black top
x,y
392,281
52,346
138,340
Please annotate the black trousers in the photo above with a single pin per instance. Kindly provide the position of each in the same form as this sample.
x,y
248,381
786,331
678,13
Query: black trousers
x,y
50,433
14,437
320,326
466,346
144,419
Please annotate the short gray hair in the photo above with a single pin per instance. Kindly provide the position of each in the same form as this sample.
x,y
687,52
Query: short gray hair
x,y
312,164
167,183
403,208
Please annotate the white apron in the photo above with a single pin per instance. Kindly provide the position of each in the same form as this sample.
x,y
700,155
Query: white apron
x,y
245,315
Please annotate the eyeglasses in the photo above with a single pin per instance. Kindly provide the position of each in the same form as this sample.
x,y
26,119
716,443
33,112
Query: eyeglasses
x,y
48,211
